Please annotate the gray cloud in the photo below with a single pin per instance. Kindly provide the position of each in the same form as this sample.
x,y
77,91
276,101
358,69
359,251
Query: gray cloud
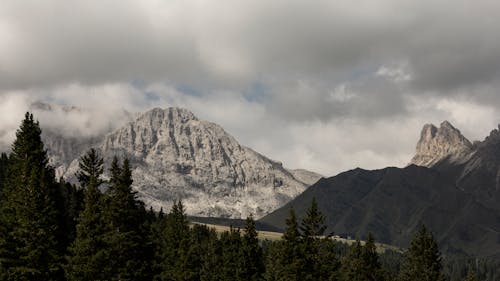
x,y
285,77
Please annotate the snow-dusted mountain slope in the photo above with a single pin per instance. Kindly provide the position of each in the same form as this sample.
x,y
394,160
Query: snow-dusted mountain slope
x,y
177,156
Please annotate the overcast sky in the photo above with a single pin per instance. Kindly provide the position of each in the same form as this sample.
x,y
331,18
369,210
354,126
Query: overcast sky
x,y
321,85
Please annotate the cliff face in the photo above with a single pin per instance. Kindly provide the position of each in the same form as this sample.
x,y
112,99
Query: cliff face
x,y
177,156
437,144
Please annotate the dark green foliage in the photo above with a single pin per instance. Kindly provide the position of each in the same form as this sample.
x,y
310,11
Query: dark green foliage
x,y
124,233
422,259
112,237
176,261
458,267
231,255
69,205
91,167
369,255
4,164
313,224
29,222
352,264
211,268
285,258
318,263
252,259
88,254
362,262
305,254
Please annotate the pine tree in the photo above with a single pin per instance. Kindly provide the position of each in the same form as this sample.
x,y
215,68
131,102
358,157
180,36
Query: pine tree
x,y
313,228
232,263
292,234
69,204
373,268
292,258
124,232
313,224
201,243
353,267
362,262
253,266
174,255
327,263
89,254
28,214
211,269
422,259
91,167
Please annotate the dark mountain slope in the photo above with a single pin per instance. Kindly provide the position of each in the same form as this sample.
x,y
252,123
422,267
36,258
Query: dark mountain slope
x,y
475,168
392,203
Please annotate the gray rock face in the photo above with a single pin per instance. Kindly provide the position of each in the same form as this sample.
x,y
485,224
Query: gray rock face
x,y
437,144
62,150
177,156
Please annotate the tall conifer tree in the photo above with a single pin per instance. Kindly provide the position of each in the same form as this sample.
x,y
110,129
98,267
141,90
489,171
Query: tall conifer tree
x,y
353,268
175,257
371,261
88,254
289,261
29,218
253,266
124,216
91,168
313,224
312,228
422,259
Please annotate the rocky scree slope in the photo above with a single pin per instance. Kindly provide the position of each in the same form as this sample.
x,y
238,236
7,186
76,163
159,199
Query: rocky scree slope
x,y
175,155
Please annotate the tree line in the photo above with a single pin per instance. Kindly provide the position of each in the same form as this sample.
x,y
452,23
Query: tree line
x,y
99,230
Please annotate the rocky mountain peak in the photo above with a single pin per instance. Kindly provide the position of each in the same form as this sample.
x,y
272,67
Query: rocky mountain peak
x,y
175,155
436,144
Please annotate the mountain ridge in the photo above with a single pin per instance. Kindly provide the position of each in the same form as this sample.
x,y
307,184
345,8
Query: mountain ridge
x,y
456,194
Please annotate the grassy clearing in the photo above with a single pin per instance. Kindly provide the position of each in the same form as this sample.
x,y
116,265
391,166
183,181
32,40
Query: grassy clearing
x,y
269,235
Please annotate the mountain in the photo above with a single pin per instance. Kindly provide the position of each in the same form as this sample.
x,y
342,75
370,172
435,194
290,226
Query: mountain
x,y
455,195
475,168
436,144
175,155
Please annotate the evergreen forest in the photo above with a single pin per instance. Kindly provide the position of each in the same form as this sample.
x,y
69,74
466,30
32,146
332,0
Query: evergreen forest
x,y
99,230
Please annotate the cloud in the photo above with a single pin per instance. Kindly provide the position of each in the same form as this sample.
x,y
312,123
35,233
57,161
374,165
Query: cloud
x,y
320,84
234,43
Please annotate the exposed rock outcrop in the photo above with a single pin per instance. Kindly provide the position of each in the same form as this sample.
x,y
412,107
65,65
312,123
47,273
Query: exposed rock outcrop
x,y
437,144
177,156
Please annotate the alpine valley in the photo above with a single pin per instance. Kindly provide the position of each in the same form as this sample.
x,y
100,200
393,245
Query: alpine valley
x,y
451,185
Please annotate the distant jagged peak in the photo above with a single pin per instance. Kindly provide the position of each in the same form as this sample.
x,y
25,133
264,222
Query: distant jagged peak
x,y
437,144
